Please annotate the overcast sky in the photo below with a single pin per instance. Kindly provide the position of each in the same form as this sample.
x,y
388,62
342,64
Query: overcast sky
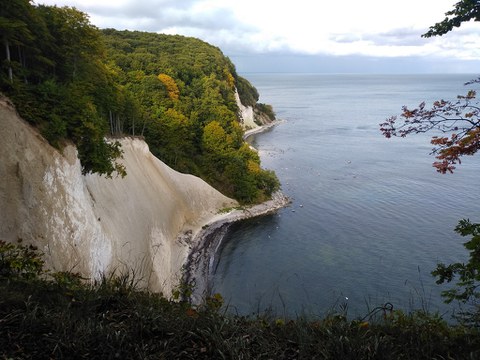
x,y
304,35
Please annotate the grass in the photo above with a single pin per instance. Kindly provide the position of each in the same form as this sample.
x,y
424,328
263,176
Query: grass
x,y
229,209
60,316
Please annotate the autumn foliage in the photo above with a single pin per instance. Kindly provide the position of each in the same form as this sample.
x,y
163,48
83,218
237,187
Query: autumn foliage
x,y
170,85
456,125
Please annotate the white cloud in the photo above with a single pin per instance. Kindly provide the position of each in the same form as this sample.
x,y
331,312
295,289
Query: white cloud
x,y
370,27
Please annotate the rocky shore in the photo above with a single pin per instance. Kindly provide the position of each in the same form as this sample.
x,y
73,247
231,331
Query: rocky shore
x,y
201,261
260,129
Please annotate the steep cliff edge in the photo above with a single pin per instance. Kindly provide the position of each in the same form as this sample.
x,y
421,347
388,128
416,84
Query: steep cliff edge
x,y
252,118
91,224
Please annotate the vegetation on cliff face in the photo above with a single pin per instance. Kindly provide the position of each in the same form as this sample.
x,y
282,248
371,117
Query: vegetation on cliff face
x,y
77,83
184,92
54,69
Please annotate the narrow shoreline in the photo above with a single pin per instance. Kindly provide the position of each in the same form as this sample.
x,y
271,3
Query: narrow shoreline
x,y
201,260
261,129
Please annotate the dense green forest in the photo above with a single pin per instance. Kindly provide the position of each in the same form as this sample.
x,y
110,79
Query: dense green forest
x,y
78,84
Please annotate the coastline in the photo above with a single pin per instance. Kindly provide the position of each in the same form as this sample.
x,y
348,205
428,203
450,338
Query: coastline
x,y
261,129
201,259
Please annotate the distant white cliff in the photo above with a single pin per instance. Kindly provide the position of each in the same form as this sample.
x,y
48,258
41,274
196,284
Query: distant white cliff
x,y
246,115
144,222
251,118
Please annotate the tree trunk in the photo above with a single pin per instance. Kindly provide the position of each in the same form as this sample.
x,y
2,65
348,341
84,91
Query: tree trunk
x,y
23,62
74,67
111,121
119,125
7,51
143,127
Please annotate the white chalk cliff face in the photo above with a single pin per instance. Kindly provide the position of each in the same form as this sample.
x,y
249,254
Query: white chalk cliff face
x,y
246,114
93,225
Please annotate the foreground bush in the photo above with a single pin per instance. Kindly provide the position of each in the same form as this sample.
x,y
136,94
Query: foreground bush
x,y
59,316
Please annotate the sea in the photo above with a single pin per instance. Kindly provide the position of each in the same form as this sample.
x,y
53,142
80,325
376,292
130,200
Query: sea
x,y
370,217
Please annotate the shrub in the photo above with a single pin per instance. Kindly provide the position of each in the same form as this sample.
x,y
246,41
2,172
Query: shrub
x,y
17,260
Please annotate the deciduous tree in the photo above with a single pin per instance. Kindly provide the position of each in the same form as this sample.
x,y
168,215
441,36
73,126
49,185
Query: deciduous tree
x,y
171,86
464,10
14,29
457,123
458,119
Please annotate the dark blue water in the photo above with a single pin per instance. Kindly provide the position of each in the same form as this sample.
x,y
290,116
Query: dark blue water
x,y
370,217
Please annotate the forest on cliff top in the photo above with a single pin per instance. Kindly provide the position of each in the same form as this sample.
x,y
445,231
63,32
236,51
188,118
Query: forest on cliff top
x,y
78,84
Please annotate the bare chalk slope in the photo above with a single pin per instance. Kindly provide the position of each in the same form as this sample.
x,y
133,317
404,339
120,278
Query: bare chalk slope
x,y
92,225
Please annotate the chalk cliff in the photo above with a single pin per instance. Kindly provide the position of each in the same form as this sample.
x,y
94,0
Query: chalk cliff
x,y
92,225
251,118
246,114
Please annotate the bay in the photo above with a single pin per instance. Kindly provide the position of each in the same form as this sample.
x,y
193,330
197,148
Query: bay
x,y
370,216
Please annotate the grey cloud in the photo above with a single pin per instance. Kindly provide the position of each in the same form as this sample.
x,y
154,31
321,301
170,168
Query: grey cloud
x,y
284,62
397,37
412,38
157,15
137,8
346,38
214,20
